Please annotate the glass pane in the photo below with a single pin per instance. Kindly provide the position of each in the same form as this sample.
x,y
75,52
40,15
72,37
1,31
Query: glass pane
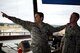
x,y
56,14
22,9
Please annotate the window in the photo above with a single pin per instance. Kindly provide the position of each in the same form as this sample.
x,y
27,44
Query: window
x,y
22,9
56,14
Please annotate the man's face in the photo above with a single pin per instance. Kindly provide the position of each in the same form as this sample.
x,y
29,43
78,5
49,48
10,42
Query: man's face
x,y
73,18
38,19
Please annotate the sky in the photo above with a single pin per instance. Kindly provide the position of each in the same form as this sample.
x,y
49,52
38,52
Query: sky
x,y
22,9
53,13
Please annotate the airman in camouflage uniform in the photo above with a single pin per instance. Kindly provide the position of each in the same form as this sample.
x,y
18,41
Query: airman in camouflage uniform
x,y
72,36
39,32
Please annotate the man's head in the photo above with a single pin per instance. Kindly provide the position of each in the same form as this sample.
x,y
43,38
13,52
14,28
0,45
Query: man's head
x,y
39,16
74,17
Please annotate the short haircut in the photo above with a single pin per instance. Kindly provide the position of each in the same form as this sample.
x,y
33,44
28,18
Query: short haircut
x,y
40,14
76,14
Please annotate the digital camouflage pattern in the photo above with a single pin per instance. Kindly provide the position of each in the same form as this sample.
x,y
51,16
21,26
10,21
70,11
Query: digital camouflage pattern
x,y
72,40
39,34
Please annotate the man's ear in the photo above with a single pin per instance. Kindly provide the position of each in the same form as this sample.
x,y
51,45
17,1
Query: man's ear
x,y
42,18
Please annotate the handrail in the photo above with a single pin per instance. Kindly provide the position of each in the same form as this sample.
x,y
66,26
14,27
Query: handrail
x,y
13,33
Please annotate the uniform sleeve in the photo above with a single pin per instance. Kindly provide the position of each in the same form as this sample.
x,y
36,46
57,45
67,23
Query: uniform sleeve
x,y
56,29
25,24
59,28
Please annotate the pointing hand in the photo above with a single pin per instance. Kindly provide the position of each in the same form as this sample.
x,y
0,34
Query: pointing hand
x,y
3,14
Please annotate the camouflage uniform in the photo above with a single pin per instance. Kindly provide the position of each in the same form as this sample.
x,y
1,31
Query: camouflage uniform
x,y
39,34
72,40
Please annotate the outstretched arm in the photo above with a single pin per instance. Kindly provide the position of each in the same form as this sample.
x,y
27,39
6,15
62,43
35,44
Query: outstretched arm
x,y
14,19
25,24
61,27
56,29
